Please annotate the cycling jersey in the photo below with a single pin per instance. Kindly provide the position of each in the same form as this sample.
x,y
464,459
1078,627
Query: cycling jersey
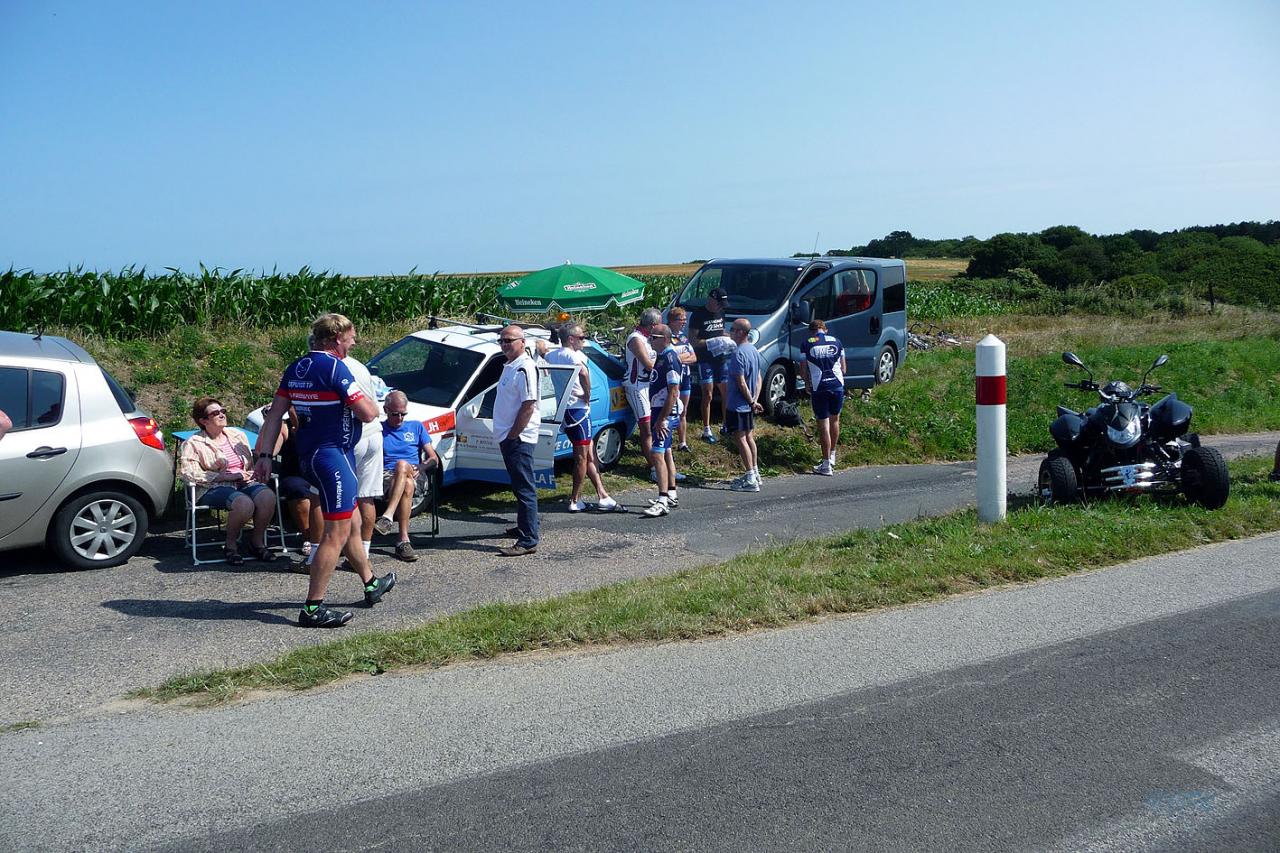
x,y
637,373
667,371
322,389
823,353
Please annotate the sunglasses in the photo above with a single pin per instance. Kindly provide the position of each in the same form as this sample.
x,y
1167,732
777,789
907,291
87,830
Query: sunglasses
x,y
214,413
396,414
509,340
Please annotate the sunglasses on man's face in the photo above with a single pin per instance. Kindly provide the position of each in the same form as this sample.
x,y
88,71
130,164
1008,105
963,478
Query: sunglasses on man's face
x,y
396,414
509,340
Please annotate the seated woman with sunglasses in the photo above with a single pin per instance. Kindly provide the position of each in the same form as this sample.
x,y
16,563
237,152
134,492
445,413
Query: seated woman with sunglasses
x,y
218,461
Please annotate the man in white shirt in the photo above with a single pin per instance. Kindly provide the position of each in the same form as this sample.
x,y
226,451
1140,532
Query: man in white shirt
x,y
515,425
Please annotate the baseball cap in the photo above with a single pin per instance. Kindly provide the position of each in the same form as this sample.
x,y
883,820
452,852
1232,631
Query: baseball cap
x,y
718,293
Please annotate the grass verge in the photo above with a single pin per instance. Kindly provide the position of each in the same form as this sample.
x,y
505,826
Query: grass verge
x,y
854,572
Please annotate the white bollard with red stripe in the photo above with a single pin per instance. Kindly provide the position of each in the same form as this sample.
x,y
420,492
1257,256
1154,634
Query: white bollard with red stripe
x,y
992,444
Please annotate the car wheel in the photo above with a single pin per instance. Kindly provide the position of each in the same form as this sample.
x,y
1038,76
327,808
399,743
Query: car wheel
x,y
1205,479
775,387
1057,482
608,447
98,530
886,366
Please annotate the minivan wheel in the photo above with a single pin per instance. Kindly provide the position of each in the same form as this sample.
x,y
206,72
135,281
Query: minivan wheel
x,y
608,447
775,387
886,366
98,530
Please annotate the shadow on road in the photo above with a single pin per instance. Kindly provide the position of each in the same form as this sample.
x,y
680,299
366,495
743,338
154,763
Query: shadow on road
x,y
205,609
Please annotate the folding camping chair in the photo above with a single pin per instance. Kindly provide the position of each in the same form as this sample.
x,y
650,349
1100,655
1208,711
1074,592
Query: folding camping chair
x,y
196,531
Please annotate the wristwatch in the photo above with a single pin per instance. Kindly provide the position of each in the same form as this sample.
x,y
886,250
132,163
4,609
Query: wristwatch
x,y
264,455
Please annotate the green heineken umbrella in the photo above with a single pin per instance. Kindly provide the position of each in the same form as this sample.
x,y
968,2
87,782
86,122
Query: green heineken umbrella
x,y
569,287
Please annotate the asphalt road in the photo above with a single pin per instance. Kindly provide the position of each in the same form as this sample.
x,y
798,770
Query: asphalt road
x,y
76,641
1134,708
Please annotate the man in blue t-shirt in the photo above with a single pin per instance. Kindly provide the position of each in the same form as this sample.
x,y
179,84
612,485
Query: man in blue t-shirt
x,y
743,404
406,454
824,356
323,391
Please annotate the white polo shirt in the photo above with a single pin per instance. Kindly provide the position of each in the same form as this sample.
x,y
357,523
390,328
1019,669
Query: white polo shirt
x,y
518,385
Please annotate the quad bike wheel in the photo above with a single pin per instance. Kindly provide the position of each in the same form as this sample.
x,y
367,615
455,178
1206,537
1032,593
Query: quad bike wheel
x,y
1205,480
1057,482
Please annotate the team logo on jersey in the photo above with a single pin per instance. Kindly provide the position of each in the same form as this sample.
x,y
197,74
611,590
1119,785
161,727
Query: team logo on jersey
x,y
302,367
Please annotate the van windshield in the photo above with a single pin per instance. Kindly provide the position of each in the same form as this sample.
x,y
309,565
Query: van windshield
x,y
427,372
752,288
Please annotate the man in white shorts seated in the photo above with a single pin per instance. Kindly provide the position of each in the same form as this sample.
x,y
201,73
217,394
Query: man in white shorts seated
x,y
368,453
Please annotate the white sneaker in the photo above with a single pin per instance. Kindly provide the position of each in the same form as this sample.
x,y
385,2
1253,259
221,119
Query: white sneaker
x,y
656,509
577,506
744,485
824,469
607,505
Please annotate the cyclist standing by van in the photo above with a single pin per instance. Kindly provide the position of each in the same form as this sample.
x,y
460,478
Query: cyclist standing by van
x,y
639,371
824,356
707,324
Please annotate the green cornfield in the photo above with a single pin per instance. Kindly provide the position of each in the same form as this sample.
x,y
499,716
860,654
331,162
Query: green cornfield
x,y
134,303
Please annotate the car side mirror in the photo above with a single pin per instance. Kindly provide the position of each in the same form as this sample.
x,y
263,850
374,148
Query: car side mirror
x,y
802,313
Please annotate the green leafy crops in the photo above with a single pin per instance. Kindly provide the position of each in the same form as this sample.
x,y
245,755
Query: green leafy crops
x,y
133,303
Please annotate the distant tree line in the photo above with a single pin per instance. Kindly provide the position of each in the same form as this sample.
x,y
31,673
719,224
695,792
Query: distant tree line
x,y
1238,263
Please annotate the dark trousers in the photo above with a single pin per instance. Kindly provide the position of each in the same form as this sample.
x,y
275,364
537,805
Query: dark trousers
x,y
518,457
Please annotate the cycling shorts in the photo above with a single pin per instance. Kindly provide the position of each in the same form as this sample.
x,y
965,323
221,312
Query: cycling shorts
x,y
577,426
828,403
333,473
638,397
714,370
663,444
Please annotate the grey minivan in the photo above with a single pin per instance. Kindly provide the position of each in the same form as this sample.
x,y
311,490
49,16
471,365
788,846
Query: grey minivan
x,y
82,470
862,300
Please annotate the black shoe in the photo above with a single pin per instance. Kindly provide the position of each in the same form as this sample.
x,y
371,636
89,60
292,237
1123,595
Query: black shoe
x,y
382,587
514,532
324,617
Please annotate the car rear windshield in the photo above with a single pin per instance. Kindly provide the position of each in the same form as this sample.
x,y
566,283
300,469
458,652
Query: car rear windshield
x,y
752,288
429,373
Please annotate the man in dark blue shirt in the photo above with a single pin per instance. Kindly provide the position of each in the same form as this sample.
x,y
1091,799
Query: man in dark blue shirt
x,y
824,357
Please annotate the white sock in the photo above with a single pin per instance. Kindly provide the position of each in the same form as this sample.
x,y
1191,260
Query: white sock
x,y
672,494
367,543
662,499
755,473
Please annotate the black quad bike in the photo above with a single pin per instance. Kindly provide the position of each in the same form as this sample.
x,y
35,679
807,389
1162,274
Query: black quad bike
x,y
1127,446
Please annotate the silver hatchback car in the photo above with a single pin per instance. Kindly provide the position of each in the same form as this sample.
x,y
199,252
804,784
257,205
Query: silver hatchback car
x,y
82,470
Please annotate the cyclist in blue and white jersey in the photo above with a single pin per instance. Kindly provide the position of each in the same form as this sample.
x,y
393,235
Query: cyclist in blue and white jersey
x,y
824,355
678,321
323,391
664,398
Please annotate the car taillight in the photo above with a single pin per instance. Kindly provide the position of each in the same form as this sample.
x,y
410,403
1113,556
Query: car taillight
x,y
148,432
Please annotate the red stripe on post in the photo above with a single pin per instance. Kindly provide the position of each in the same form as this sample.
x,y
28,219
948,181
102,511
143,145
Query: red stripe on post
x,y
991,390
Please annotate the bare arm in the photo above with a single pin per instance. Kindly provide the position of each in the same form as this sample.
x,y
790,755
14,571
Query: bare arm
x,y
5,423
641,352
522,418
267,438
585,376
366,409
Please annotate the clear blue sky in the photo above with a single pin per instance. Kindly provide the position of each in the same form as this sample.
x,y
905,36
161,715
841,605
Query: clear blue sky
x,y
375,137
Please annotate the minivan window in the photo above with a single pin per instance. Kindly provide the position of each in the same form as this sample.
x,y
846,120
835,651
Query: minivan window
x,y
429,373
13,395
752,288
844,293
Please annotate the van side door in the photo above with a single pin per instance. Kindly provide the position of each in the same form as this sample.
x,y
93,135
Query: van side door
x,y
847,300
37,454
